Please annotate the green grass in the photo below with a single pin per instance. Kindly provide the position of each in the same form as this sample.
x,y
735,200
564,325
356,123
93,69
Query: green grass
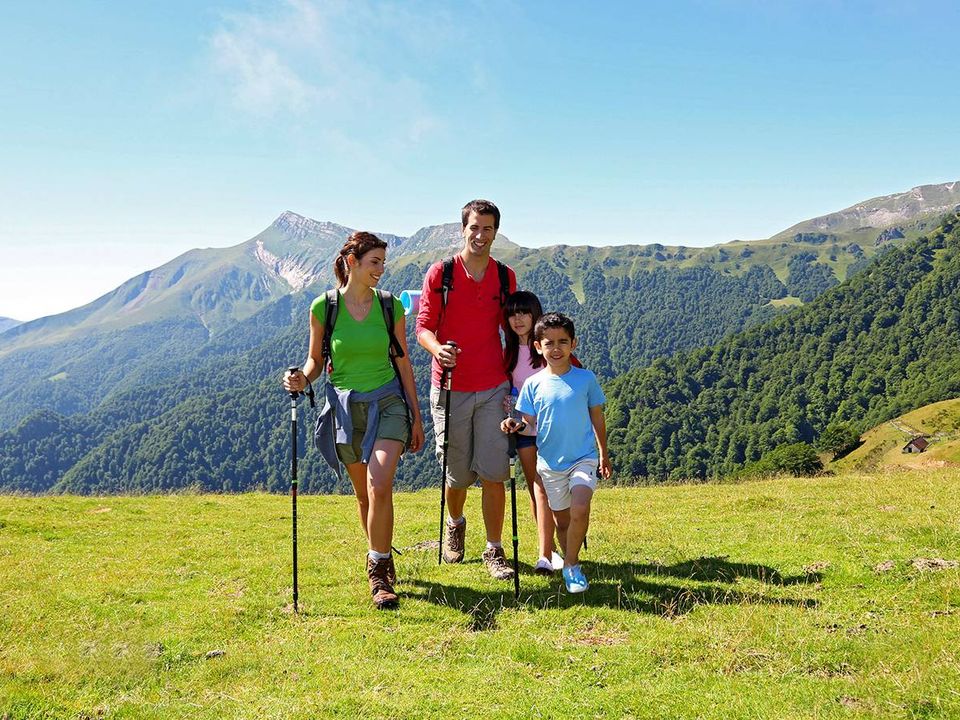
x,y
757,600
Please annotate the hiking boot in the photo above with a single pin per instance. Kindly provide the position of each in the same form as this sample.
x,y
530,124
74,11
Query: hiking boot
x,y
381,588
496,562
391,571
453,544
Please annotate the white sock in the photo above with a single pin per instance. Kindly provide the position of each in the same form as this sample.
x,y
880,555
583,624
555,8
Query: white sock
x,y
493,545
457,521
377,555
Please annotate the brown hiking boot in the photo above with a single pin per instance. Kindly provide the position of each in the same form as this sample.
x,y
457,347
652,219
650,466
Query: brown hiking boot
x,y
381,588
496,562
454,541
391,571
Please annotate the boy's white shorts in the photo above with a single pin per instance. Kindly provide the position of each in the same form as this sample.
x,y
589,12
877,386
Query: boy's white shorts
x,y
558,483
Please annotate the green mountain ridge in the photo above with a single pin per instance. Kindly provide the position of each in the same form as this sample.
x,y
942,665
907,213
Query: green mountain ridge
x,y
143,419
220,286
884,342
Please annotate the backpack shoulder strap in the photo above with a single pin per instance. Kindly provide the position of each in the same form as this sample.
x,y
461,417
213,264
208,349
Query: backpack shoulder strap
x,y
446,284
446,280
396,350
332,307
504,274
386,305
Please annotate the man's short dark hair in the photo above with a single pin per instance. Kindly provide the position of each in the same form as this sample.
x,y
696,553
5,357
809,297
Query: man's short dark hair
x,y
553,320
480,207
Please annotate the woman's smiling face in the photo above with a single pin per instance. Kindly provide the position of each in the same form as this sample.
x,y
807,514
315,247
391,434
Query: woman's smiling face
x,y
369,268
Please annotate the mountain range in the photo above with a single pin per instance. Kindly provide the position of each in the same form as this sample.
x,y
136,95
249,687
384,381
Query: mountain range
x,y
172,379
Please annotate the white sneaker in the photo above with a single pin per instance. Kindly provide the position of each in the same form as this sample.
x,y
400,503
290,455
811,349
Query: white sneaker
x,y
543,567
556,560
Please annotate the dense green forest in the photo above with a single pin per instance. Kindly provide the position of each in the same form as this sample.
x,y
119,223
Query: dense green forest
x,y
886,341
211,414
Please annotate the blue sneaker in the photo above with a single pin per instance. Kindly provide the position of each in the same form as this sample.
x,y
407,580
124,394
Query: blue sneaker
x,y
575,580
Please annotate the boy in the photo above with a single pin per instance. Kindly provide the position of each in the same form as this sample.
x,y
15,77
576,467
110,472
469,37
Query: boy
x,y
566,403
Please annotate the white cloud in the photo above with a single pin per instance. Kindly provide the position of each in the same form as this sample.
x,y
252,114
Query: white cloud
x,y
358,70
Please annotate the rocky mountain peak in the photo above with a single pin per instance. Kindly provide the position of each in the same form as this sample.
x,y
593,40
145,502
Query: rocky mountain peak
x,y
299,227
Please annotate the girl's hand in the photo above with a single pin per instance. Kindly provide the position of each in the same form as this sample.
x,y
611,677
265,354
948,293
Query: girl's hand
x,y
416,436
510,425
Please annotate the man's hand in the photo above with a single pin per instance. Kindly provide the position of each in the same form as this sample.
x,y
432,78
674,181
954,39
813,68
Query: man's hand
x,y
446,355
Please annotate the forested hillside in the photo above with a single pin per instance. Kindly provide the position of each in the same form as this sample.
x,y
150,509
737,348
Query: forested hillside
x,y
214,415
884,342
167,404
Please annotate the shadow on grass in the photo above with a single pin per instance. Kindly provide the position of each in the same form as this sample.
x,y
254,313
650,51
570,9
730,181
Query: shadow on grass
x,y
629,587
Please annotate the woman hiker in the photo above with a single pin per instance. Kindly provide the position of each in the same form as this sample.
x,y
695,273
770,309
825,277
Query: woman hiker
x,y
371,412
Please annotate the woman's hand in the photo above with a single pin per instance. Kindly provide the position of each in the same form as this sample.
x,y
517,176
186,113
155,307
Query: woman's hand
x,y
416,435
294,381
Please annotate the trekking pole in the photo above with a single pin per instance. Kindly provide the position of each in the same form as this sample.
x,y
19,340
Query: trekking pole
x,y
513,514
293,484
513,500
445,380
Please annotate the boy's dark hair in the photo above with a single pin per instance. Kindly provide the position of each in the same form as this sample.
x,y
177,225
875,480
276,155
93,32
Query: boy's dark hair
x,y
553,320
521,302
480,207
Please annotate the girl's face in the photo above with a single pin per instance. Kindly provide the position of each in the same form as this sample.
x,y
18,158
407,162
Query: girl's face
x,y
521,323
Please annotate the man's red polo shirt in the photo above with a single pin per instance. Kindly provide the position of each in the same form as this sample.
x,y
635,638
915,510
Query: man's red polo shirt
x,y
473,319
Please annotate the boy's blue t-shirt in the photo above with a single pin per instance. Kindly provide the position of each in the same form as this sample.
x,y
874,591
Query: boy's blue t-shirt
x,y
561,404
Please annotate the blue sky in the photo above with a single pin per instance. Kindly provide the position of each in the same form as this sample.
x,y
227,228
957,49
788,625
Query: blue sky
x,y
131,132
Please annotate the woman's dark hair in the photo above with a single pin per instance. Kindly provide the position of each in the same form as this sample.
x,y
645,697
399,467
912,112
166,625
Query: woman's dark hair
x,y
358,245
521,302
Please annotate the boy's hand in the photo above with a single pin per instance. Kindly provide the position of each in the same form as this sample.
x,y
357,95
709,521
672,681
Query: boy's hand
x,y
604,468
510,425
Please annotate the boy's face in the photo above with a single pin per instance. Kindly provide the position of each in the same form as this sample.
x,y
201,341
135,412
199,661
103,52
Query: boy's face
x,y
478,234
556,346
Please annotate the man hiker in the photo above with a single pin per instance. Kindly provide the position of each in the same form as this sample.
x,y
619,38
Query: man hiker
x,y
462,301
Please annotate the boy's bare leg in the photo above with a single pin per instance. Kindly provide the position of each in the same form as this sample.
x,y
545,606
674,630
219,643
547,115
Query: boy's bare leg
x,y
562,520
494,503
579,521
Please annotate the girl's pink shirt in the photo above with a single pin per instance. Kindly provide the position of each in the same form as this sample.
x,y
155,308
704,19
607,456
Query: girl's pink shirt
x,y
520,374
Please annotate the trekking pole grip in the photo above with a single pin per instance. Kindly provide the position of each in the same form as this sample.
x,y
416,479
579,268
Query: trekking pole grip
x,y
293,369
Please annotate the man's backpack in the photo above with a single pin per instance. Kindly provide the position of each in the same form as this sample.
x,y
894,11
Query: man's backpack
x,y
330,320
446,283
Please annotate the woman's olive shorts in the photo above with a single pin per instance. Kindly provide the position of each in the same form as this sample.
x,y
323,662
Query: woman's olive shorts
x,y
394,425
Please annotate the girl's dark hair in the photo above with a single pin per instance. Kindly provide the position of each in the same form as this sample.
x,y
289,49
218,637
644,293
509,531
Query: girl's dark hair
x,y
518,302
358,245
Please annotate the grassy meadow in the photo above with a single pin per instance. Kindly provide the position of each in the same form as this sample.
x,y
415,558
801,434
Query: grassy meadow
x,y
833,597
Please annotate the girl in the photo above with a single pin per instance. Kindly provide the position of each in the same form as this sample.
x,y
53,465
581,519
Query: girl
x,y
362,381
521,313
